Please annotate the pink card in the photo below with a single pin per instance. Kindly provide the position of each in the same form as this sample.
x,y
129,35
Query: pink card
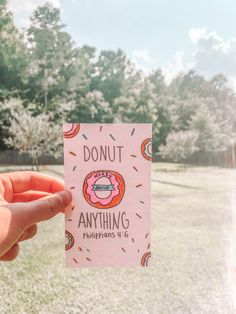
x,y
108,171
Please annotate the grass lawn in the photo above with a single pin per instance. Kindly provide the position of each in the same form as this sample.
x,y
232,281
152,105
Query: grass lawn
x,y
192,246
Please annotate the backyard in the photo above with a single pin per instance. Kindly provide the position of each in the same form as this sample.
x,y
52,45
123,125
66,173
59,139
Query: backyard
x,y
192,246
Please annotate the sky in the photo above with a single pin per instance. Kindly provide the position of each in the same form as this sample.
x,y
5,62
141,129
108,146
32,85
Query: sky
x,y
174,35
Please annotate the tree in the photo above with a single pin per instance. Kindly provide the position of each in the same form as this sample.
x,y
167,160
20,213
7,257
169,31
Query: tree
x,y
13,55
158,80
81,72
51,57
179,145
43,66
6,108
112,72
163,104
224,107
139,106
92,108
208,130
34,135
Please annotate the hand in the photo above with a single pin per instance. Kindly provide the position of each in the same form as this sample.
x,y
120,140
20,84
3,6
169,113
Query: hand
x,y
27,198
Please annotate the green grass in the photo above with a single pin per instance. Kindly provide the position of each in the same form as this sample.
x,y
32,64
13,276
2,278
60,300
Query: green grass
x,y
191,265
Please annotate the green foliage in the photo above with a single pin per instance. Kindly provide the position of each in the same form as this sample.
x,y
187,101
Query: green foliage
x,y
43,66
35,135
92,108
109,74
209,133
13,57
51,57
179,145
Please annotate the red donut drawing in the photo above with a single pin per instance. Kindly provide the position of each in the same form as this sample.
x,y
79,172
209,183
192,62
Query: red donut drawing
x,y
72,130
69,240
146,148
103,188
145,260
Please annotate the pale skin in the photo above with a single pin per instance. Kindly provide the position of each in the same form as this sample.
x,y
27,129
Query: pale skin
x,y
27,198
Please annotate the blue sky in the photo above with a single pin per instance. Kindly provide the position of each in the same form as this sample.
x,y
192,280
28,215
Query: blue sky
x,y
159,26
154,33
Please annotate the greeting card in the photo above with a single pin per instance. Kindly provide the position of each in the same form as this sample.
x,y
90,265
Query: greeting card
x,y
108,171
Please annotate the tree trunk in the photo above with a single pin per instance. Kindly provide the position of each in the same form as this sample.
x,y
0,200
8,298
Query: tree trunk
x,y
45,89
37,162
32,161
233,155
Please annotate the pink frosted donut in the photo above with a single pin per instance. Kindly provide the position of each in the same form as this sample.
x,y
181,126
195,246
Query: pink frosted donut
x,y
103,188
145,260
71,130
146,149
69,240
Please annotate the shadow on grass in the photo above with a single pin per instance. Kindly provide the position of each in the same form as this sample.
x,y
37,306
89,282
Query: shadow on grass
x,y
178,185
58,173
12,169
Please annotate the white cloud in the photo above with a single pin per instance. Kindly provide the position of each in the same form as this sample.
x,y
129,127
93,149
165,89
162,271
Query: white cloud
x,y
142,60
23,8
174,67
196,33
213,54
141,55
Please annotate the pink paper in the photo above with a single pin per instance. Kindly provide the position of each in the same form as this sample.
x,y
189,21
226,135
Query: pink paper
x,y
108,171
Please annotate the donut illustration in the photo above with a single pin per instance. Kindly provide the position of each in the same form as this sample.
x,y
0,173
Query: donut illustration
x,y
146,148
72,131
145,260
69,240
103,188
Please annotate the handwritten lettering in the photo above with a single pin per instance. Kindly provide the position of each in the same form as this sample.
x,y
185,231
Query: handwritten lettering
x,y
103,153
103,220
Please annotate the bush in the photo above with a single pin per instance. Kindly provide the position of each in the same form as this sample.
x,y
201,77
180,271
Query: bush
x,y
179,145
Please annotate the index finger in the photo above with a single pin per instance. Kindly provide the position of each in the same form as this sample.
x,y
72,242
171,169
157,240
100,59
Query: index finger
x,y
28,180
47,207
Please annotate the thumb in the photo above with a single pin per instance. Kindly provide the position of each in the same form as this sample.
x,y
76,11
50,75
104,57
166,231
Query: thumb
x,y
47,207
